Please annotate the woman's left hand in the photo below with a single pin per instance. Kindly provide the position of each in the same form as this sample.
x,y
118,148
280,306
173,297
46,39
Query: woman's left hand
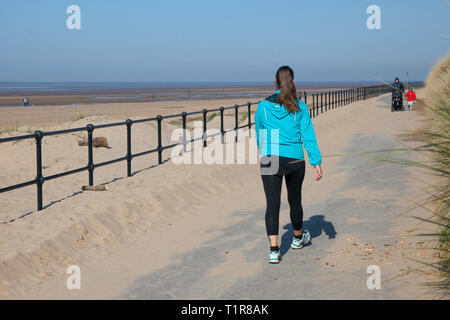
x,y
318,172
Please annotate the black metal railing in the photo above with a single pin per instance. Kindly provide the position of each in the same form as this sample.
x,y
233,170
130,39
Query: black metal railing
x,y
328,101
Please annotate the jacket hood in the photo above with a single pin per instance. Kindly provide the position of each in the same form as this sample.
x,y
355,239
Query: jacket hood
x,y
397,78
274,108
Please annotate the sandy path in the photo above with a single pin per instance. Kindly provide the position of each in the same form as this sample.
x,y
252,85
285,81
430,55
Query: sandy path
x,y
198,231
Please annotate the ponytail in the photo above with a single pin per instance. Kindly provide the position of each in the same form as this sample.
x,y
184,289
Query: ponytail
x,y
288,95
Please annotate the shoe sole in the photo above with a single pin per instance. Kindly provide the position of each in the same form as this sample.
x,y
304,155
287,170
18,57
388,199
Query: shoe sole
x,y
297,248
274,262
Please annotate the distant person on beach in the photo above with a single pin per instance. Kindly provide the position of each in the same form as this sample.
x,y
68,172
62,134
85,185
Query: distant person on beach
x,y
283,126
26,102
411,95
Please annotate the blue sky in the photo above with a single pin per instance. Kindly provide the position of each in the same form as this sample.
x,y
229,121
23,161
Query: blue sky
x,y
246,40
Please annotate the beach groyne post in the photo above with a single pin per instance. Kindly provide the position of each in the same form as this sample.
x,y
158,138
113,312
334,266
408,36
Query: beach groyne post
x,y
38,135
160,149
183,117
204,111
90,130
129,122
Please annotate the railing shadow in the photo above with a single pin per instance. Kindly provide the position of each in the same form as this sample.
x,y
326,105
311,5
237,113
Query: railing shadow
x,y
81,191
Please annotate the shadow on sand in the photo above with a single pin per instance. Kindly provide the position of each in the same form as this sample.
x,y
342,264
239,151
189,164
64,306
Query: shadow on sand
x,y
315,225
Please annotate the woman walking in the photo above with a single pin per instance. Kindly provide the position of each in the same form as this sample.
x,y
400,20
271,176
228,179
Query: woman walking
x,y
282,125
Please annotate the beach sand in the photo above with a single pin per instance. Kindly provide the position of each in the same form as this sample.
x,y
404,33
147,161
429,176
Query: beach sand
x,y
145,223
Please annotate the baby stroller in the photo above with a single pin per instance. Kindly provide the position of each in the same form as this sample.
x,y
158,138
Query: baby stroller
x,y
397,101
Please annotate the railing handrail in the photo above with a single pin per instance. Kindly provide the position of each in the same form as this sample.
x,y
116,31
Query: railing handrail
x,y
328,100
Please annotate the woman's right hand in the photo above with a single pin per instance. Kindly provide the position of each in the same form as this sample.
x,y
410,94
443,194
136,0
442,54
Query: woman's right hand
x,y
318,172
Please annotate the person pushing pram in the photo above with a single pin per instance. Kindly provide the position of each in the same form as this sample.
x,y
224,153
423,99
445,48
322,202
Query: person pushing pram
x,y
398,89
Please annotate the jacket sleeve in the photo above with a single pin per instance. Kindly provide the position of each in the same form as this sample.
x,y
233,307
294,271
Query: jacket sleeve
x,y
258,121
309,137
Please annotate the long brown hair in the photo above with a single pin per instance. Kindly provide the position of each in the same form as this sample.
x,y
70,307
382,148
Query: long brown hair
x,y
288,95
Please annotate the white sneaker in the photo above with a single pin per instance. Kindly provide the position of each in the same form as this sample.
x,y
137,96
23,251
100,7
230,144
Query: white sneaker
x,y
274,257
300,243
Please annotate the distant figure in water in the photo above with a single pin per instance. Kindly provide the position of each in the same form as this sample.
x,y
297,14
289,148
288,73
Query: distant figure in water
x,y
26,102
283,128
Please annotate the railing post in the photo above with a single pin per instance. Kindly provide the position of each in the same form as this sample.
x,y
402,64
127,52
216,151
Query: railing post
x,y
364,93
160,149
90,129
317,104
321,102
249,119
306,97
129,122
236,120
326,106
204,111
222,131
38,135
183,115
329,100
313,106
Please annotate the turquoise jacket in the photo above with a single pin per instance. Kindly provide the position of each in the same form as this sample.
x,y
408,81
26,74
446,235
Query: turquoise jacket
x,y
294,129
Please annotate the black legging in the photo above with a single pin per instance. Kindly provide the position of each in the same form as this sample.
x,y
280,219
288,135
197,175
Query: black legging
x,y
294,175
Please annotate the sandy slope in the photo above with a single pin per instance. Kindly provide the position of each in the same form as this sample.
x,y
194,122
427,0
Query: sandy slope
x,y
145,224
